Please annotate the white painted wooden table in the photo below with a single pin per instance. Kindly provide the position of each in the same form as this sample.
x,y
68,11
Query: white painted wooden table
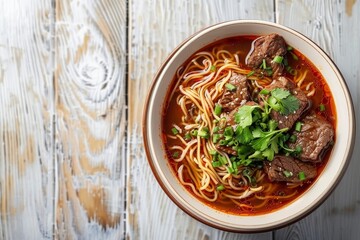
x,y
73,79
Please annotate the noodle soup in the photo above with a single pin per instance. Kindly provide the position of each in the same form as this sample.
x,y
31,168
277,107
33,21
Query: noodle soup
x,y
225,160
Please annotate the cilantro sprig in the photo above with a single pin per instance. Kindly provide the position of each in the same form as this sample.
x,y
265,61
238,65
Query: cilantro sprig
x,y
280,100
254,137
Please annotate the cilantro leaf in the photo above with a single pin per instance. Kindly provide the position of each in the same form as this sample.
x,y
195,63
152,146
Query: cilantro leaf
x,y
275,146
280,93
264,142
272,125
255,136
281,100
269,153
257,132
244,115
242,152
245,162
290,105
260,144
243,135
256,154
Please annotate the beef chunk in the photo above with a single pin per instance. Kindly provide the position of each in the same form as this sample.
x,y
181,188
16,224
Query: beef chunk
x,y
267,47
315,137
237,97
287,121
287,169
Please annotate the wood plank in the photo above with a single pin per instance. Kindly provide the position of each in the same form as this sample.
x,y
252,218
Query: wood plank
x,y
26,135
151,215
334,26
91,118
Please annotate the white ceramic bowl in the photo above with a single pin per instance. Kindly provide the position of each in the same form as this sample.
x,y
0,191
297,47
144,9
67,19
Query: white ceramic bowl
x,y
319,190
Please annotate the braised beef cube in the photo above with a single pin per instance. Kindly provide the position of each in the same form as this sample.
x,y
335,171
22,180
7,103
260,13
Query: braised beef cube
x,y
288,169
314,138
267,48
238,96
287,121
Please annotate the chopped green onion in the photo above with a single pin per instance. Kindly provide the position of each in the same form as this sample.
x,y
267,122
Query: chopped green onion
x,y
293,72
287,173
231,143
230,170
204,133
216,137
294,56
174,131
263,64
250,73
222,159
293,138
216,164
278,59
220,187
216,129
264,91
187,136
194,132
298,149
213,68
289,48
235,168
322,107
213,152
223,142
236,142
228,132
302,176
175,155
298,126
230,87
218,109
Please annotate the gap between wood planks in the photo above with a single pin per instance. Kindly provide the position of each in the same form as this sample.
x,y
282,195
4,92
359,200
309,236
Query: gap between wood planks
x,y
127,42
55,167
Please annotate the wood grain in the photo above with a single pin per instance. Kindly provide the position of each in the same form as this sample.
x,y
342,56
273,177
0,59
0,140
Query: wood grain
x,y
150,213
91,118
335,29
26,136
65,172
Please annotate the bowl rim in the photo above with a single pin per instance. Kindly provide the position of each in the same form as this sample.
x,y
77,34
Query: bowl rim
x,y
349,149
